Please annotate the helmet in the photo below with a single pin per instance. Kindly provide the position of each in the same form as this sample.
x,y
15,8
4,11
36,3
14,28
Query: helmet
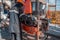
x,y
8,3
21,1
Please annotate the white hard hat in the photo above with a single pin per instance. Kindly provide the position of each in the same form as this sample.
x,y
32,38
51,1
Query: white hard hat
x,y
0,1
8,3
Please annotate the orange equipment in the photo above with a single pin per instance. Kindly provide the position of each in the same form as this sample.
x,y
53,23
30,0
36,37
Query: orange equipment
x,y
27,7
27,10
29,29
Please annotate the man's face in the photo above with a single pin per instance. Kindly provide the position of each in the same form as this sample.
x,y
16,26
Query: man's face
x,y
6,7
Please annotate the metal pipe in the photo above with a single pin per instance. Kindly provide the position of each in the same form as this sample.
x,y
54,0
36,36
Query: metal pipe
x,y
37,6
37,11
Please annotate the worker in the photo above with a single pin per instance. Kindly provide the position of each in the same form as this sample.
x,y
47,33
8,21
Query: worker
x,y
14,19
22,7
